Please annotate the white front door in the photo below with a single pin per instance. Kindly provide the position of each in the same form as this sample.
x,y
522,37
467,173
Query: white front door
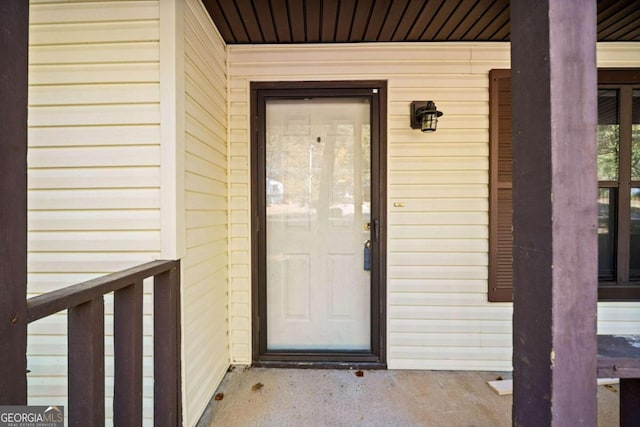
x,y
318,201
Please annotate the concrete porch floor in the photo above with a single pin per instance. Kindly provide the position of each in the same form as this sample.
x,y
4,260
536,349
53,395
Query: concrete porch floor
x,y
321,397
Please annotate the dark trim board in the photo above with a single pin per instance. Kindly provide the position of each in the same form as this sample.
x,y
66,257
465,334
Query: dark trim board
x,y
14,22
377,91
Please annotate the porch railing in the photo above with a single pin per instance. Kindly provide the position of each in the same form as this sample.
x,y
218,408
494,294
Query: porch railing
x,y
86,383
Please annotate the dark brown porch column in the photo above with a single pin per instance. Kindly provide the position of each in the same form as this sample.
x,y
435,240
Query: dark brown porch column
x,y
14,23
554,204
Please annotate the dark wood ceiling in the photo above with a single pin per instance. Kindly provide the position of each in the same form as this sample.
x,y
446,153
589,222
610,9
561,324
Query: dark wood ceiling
x,y
354,21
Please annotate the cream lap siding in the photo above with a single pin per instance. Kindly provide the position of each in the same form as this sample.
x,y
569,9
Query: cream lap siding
x,y
239,214
94,166
205,266
438,316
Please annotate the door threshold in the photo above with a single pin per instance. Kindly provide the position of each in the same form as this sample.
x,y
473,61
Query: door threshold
x,y
297,364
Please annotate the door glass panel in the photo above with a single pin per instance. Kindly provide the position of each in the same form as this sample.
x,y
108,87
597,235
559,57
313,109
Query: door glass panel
x,y
634,258
606,234
635,137
608,135
318,205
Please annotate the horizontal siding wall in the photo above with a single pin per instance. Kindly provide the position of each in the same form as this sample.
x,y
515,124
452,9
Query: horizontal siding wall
x,y
438,314
94,165
205,295
438,317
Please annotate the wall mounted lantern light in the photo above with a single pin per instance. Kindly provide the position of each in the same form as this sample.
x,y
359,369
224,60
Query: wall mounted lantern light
x,y
424,116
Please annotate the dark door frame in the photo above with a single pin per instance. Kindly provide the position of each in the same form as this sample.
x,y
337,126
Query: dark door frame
x,y
376,90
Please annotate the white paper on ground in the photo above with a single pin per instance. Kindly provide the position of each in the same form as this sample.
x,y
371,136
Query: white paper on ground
x,y
505,387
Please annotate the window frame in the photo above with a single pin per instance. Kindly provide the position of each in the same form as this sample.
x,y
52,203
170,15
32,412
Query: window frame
x,y
622,289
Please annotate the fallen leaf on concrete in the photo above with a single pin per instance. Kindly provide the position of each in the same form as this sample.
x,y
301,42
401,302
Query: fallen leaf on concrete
x,y
257,386
610,388
219,396
359,374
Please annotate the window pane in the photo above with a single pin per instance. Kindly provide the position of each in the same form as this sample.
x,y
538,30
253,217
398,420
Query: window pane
x,y
608,135
634,256
635,137
606,234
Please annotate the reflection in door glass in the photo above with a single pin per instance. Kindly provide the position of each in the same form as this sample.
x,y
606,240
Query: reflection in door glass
x,y
608,135
313,171
635,137
318,178
634,258
606,234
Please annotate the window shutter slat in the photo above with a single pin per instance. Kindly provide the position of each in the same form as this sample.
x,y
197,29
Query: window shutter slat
x,y
504,240
500,195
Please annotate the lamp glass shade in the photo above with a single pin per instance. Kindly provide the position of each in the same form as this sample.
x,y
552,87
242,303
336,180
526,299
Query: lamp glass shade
x,y
429,122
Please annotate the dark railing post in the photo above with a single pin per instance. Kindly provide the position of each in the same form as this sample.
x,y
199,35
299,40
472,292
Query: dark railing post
x,y
14,22
166,349
86,364
127,342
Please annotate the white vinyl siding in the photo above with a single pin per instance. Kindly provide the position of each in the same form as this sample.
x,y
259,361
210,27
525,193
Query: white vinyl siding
x,y
438,314
437,246
205,296
97,175
94,166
